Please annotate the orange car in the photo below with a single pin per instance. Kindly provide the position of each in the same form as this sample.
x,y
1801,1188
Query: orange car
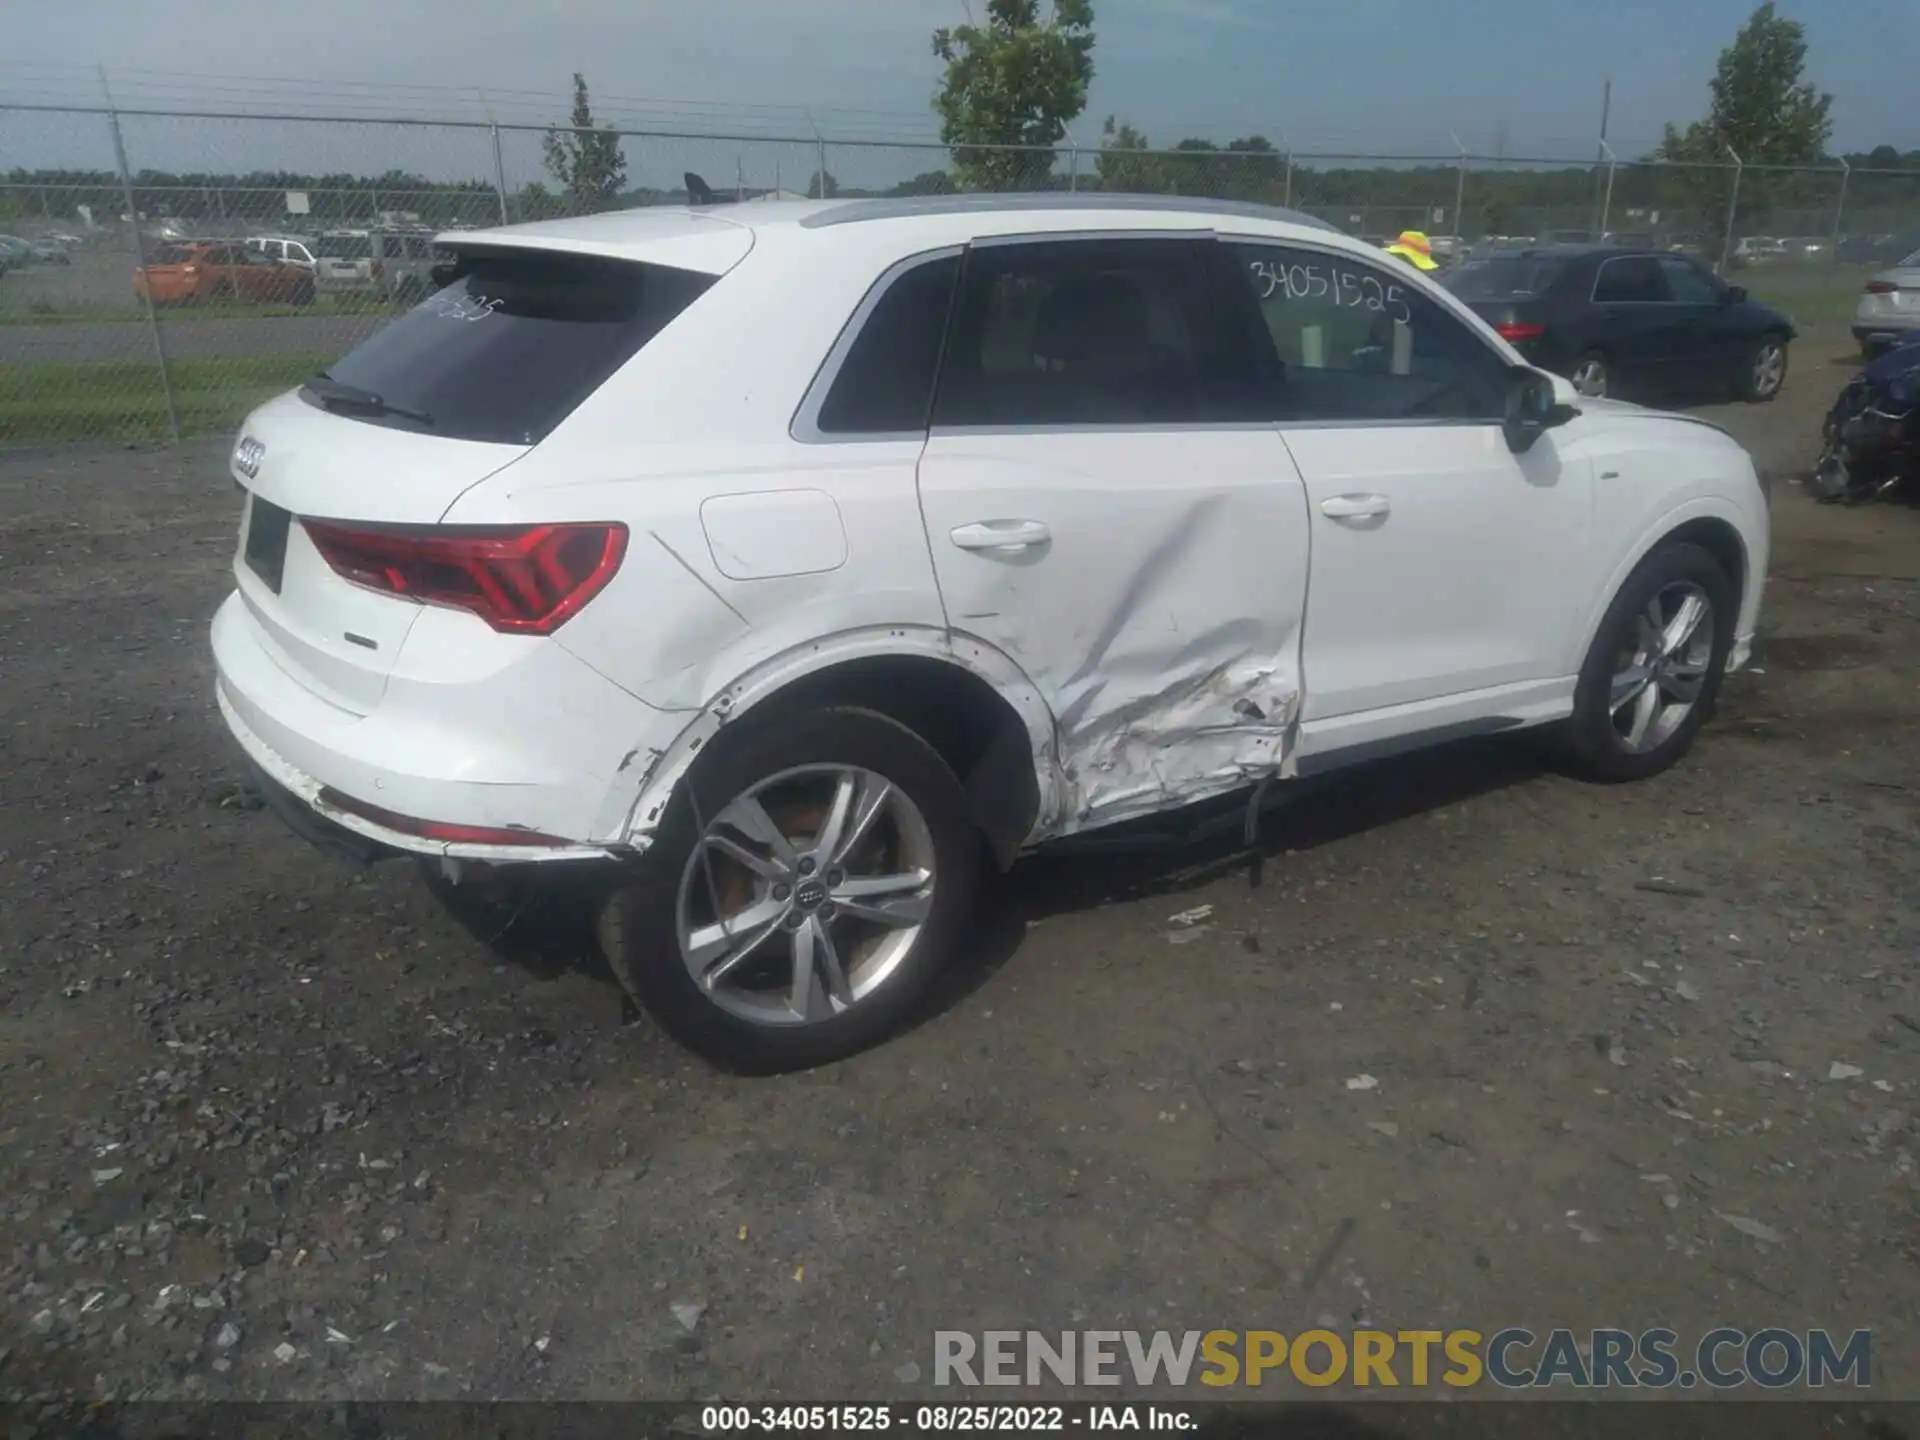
x,y
188,274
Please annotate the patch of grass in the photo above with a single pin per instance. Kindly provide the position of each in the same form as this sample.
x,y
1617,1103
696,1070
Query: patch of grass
x,y
133,314
122,400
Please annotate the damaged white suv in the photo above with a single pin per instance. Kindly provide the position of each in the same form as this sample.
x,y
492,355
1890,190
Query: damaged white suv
x,y
781,563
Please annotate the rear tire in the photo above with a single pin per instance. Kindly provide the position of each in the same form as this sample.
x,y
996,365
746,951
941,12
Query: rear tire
x,y
1592,376
869,922
1651,678
1766,372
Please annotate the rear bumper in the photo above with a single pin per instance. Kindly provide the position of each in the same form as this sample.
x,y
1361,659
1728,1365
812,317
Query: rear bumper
x,y
1883,329
536,746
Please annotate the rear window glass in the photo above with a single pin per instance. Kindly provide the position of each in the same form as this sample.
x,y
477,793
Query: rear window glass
x,y
513,343
172,255
1505,278
343,247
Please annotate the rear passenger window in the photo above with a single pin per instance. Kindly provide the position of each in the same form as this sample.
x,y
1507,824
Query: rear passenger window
x,y
1086,332
1632,280
885,384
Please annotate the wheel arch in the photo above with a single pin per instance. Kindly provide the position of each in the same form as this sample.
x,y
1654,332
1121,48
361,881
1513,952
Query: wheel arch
x,y
967,700
1713,527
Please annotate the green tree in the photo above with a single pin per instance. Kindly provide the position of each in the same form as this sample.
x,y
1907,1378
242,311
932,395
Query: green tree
x,y
817,189
585,159
1763,110
1017,80
1123,166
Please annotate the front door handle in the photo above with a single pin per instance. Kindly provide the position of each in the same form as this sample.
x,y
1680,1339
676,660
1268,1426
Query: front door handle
x,y
1355,507
1001,535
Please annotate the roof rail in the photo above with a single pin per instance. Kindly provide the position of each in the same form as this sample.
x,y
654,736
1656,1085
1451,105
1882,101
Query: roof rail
x,y
853,212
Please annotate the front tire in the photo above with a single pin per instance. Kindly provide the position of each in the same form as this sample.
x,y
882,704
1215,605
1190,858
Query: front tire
x,y
808,883
1653,672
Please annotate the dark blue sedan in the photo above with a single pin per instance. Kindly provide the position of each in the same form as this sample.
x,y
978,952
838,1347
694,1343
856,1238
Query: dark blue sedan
x,y
1610,318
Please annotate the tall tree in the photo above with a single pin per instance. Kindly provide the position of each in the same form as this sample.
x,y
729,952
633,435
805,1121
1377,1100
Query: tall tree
x,y
1762,106
1764,111
1017,80
586,160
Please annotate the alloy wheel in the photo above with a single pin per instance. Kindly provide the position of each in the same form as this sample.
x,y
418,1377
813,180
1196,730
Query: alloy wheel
x,y
1662,669
1590,377
1769,369
805,895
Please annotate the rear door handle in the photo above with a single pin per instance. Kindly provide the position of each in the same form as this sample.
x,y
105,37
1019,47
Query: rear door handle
x,y
1001,535
1355,507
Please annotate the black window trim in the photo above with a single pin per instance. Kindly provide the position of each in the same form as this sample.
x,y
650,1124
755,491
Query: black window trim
x,y
805,425
1452,306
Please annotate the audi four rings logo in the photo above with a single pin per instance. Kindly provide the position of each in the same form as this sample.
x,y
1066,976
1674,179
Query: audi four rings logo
x,y
247,456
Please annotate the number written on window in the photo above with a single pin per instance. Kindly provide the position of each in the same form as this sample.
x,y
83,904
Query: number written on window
x,y
1344,288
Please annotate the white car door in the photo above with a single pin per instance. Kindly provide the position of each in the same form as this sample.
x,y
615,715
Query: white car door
x,y
1099,512
1447,571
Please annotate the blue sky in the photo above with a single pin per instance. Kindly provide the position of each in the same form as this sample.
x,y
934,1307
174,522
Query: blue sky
x,y
1391,75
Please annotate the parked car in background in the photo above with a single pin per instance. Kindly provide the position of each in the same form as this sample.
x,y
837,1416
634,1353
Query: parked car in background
x,y
1889,307
219,270
1631,239
391,265
766,578
1605,317
50,252
16,250
289,248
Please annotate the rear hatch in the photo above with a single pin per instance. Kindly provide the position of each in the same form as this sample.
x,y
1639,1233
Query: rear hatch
x,y
382,443
345,259
1510,292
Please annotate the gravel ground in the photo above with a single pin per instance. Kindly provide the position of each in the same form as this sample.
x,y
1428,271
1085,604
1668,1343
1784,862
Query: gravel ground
x,y
277,1129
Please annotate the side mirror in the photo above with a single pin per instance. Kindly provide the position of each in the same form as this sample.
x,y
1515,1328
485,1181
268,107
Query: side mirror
x,y
1736,295
1533,408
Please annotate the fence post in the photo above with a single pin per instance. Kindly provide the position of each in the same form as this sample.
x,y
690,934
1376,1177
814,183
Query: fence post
x,y
1460,192
1733,209
1289,194
1073,169
500,176
1840,208
140,259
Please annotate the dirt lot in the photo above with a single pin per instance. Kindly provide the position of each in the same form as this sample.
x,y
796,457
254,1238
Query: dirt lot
x,y
276,1129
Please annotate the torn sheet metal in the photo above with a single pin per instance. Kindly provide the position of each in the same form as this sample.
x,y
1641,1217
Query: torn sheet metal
x,y
1155,598
1197,737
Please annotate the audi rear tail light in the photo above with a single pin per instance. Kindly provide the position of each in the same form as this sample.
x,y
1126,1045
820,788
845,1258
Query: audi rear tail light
x,y
1516,331
1881,287
521,580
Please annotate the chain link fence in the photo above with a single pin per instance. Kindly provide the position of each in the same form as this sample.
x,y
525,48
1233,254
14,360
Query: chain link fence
x,y
164,272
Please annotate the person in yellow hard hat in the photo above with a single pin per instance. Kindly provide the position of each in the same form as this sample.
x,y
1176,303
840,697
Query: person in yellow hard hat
x,y
1414,247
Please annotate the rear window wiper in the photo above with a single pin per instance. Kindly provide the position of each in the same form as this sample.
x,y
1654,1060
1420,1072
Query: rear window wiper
x,y
337,396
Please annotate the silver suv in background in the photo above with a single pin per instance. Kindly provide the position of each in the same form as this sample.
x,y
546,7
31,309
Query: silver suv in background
x,y
389,264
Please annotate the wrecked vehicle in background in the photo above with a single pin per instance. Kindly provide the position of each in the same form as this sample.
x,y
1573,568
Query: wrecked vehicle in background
x,y
1871,435
778,566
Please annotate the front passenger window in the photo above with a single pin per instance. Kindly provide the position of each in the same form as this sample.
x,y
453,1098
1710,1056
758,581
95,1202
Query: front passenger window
x,y
1352,342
